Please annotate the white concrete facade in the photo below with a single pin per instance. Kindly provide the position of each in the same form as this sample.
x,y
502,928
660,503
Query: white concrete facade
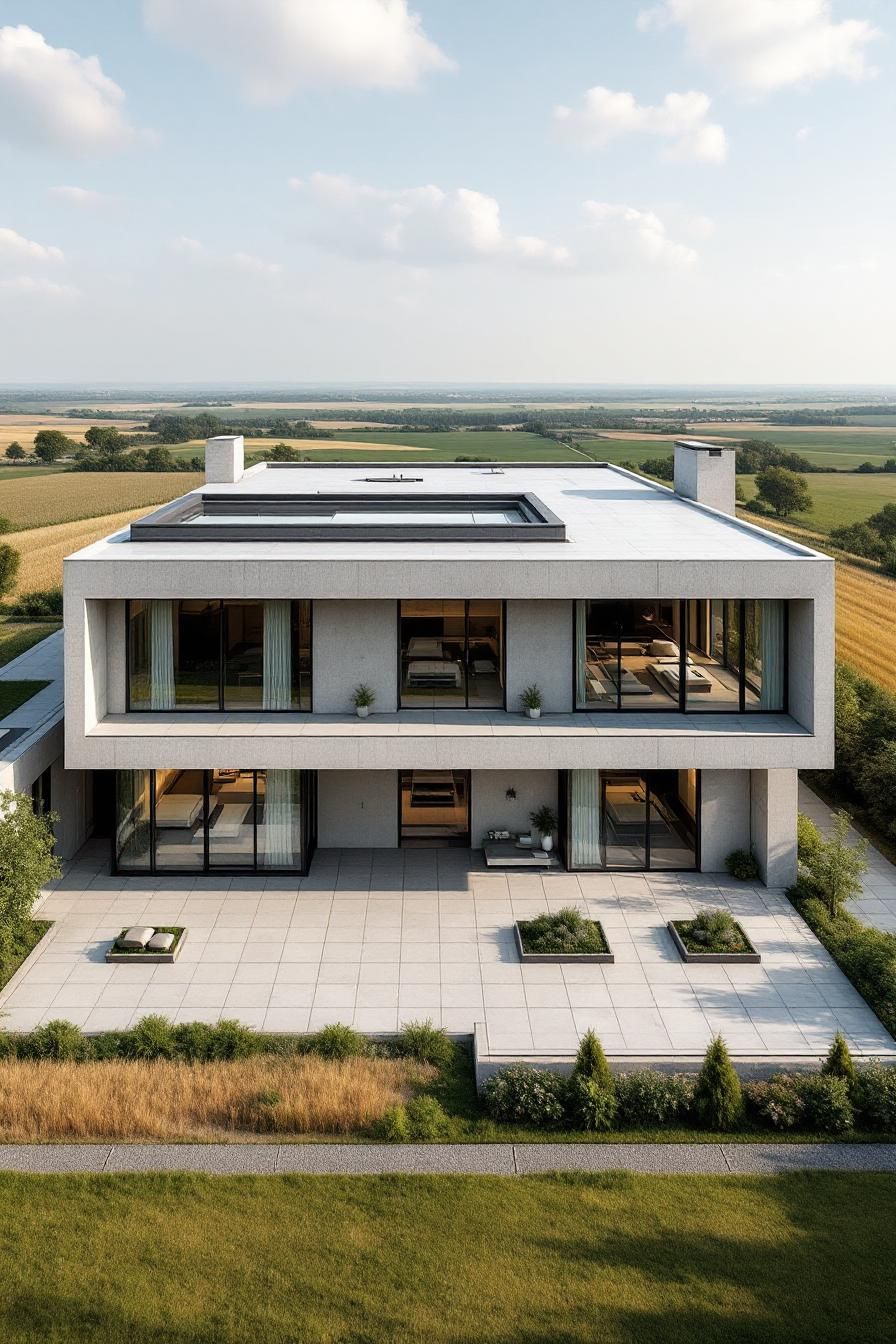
x,y
625,539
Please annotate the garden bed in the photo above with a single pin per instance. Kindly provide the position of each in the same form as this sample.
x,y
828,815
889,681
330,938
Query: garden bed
x,y
146,955
566,936
23,944
695,944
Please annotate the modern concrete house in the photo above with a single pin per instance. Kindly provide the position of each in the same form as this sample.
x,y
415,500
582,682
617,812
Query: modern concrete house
x,y
684,661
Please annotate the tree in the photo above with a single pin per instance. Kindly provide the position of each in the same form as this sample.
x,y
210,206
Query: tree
x,y
859,539
784,491
884,522
718,1100
838,1063
9,568
15,452
26,862
105,439
591,1062
835,866
51,444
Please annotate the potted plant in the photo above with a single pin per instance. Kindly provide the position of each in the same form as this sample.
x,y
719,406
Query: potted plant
x,y
544,819
532,701
362,698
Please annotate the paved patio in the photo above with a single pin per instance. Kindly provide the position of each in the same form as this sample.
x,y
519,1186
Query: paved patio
x,y
877,904
378,937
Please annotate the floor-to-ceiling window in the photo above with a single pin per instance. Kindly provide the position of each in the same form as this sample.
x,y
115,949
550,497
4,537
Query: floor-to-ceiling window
x,y
434,807
693,655
632,820
207,820
199,654
451,654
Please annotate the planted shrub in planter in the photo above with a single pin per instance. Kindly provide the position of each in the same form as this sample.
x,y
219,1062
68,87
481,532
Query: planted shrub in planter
x,y
544,819
712,936
718,1100
362,699
147,945
648,1098
526,1096
564,936
532,700
741,864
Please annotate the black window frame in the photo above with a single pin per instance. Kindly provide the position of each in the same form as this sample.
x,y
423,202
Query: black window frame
x,y
566,839
220,708
683,707
482,709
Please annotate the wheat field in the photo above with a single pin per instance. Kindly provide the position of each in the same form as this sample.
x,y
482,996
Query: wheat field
x,y
45,1101
866,630
67,497
43,549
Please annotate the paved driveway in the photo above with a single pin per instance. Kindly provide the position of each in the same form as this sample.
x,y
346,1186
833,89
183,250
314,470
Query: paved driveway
x,y
378,937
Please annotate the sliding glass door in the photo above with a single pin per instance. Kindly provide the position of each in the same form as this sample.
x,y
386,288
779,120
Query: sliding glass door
x,y
631,821
183,821
434,808
451,654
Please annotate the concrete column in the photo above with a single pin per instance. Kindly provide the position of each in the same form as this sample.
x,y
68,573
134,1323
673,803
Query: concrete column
x,y
773,809
357,809
724,816
704,472
224,459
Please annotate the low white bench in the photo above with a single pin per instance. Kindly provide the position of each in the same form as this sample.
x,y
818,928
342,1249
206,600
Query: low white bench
x,y
230,820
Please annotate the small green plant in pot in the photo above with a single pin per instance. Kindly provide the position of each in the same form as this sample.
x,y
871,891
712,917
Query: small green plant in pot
x,y
362,699
532,701
544,819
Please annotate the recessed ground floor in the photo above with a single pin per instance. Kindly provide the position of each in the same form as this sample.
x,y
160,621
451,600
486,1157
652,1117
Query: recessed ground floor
x,y
376,937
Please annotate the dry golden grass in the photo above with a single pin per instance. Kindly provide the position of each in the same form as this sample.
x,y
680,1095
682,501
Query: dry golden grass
x,y
22,428
866,631
42,501
47,1101
43,549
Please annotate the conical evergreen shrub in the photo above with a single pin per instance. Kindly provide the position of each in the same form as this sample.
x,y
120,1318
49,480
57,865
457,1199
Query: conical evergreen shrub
x,y
838,1063
591,1062
718,1100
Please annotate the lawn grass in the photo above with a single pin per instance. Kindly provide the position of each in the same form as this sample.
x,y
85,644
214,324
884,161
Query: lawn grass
x,y
838,498
23,944
18,636
15,693
188,1259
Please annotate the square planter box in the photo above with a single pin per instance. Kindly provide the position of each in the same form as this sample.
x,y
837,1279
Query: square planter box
x,y
145,958
539,958
713,958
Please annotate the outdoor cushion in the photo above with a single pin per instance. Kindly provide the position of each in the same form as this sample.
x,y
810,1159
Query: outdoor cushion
x,y
662,648
138,936
160,942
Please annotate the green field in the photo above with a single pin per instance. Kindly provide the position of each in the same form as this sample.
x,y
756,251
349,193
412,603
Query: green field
x,y
17,473
425,445
613,1259
839,499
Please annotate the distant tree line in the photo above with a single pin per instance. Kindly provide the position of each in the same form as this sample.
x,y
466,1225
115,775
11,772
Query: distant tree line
x,y
183,428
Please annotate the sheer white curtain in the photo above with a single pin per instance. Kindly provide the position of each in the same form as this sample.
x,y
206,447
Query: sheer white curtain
x,y
771,653
281,819
584,819
581,616
277,655
161,654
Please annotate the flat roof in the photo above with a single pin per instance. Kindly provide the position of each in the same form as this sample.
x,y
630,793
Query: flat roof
x,y
608,514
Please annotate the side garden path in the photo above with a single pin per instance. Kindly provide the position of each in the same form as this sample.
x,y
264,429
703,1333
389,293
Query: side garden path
x,y
877,904
483,1159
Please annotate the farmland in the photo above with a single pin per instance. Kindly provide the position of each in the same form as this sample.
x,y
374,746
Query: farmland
x,y
43,549
45,501
363,446
22,428
839,499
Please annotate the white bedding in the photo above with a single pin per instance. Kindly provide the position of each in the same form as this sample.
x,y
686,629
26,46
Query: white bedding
x,y
419,647
178,809
432,672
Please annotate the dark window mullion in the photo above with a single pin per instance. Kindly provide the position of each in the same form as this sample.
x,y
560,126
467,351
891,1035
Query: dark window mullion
x,y
684,634
255,821
467,654
646,823
221,655
207,820
152,820
742,659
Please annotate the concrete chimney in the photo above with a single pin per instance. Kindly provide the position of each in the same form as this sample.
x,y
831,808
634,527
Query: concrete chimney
x,y
225,459
704,472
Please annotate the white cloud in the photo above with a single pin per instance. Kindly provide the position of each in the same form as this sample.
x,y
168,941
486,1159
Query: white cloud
x,y
197,252
619,237
681,119
15,248
37,286
417,226
803,133
762,45
82,197
53,98
274,46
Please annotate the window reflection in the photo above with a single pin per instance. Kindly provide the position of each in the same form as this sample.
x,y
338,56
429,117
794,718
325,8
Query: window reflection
x,y
451,654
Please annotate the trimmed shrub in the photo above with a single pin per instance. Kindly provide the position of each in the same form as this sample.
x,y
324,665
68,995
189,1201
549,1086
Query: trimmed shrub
x,y
874,1095
741,864
429,1044
838,1062
864,954
426,1119
775,1103
337,1042
193,1041
718,1100
231,1040
590,1104
57,1040
152,1038
591,1062
826,1104
526,1096
648,1098
393,1125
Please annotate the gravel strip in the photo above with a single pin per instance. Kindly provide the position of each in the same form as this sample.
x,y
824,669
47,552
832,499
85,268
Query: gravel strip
x,y
481,1159
52,1158
211,1159
764,1159
682,1158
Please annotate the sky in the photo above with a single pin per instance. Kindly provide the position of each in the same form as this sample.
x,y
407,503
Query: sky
x,y
447,190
